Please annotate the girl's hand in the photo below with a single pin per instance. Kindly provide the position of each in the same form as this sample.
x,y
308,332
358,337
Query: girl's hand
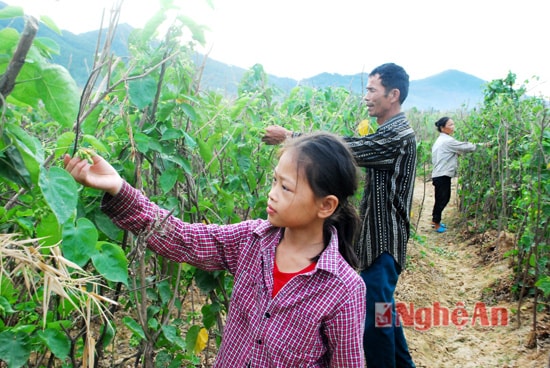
x,y
99,175
276,134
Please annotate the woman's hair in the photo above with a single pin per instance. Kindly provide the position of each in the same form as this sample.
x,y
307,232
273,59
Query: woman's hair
x,y
393,76
330,169
442,122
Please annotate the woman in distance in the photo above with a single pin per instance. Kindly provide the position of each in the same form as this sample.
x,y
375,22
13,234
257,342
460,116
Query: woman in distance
x,y
445,152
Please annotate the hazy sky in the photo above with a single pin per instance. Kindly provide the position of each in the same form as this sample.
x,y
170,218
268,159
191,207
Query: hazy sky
x,y
302,38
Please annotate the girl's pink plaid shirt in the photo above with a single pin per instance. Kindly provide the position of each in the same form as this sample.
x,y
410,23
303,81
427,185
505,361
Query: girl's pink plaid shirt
x,y
317,318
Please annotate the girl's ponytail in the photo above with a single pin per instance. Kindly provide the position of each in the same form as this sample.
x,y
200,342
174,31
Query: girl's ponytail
x,y
346,221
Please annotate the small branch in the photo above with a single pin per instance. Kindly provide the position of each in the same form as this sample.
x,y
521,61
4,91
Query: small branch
x,y
7,80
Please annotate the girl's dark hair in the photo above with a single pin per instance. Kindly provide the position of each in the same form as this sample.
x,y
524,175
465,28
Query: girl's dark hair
x,y
330,169
442,122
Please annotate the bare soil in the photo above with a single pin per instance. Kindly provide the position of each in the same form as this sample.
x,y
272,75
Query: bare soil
x,y
465,273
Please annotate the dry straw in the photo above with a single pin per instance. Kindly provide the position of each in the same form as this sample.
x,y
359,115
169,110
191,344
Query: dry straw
x,y
47,268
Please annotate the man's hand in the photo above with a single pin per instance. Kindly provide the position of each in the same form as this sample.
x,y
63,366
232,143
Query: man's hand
x,y
276,134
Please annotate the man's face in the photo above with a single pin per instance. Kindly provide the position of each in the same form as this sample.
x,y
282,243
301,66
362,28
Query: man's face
x,y
377,101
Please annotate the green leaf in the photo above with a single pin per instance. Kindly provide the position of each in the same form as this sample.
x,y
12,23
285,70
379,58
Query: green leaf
x,y
95,143
50,24
11,12
134,327
189,111
142,142
196,29
206,152
49,230
30,148
170,333
60,192
110,261
168,179
79,242
26,92
64,143
60,94
206,281
210,314
182,161
544,285
15,348
149,31
5,306
12,167
189,141
171,134
191,338
8,40
106,226
47,45
108,331
142,91
56,341
165,291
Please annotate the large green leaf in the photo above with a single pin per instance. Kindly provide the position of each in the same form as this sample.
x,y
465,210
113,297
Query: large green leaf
x,y
60,94
25,91
12,167
110,261
56,341
8,40
79,242
30,148
60,192
15,348
142,91
49,230
106,226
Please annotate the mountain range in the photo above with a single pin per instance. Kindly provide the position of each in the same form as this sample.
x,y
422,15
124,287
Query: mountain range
x,y
446,91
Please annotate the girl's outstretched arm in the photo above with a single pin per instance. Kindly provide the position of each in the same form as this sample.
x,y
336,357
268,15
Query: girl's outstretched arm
x,y
99,175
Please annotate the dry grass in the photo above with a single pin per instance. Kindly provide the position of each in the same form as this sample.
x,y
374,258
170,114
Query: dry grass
x,y
46,268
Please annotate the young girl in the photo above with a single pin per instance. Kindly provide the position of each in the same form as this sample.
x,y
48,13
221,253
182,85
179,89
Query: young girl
x,y
445,153
297,300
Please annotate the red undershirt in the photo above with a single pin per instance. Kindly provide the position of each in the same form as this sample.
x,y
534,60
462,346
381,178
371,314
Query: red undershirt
x,y
281,278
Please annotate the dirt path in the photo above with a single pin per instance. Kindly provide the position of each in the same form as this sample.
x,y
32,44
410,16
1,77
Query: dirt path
x,y
457,273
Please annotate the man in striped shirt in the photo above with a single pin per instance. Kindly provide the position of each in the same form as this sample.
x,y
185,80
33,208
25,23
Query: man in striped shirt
x,y
389,158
